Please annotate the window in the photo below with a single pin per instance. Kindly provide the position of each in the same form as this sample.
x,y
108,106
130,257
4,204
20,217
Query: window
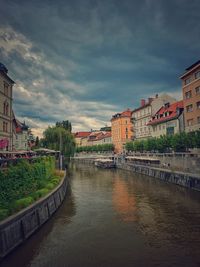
x,y
170,130
197,75
6,88
188,94
189,122
198,105
5,127
188,80
189,108
197,89
5,108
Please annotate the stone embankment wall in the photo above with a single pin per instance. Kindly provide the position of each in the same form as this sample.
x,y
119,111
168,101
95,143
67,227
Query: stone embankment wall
x,y
180,178
187,162
17,228
185,179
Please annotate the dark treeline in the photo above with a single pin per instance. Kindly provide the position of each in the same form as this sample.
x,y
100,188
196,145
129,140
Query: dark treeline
x,y
95,148
167,143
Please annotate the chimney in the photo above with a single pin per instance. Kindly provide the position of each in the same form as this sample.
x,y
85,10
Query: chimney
x,y
142,102
156,95
150,99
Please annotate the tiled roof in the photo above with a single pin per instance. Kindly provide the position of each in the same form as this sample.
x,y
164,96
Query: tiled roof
x,y
81,134
106,135
99,136
19,126
171,112
125,113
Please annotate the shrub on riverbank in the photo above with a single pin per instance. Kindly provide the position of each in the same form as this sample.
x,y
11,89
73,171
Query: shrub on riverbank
x,y
177,142
26,182
95,148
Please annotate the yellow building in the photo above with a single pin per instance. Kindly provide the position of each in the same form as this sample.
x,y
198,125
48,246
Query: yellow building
x,y
81,137
6,116
121,130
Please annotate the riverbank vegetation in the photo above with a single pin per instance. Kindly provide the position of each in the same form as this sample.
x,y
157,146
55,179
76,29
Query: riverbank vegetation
x,y
96,148
179,143
26,182
59,137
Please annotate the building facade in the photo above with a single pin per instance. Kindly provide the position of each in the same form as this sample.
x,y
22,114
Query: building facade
x,y
168,120
191,97
81,136
6,116
142,115
20,135
121,130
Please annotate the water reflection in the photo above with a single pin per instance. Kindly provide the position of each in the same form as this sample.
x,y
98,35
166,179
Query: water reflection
x,y
124,202
117,218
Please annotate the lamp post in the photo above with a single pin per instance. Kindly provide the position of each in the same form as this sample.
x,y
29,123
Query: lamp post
x,y
60,156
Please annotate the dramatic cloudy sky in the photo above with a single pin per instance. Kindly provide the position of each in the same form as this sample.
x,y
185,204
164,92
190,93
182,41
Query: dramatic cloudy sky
x,y
84,60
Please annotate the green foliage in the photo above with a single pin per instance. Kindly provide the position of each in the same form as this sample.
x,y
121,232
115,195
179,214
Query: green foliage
x,y
40,193
65,124
178,143
19,182
22,203
3,213
95,148
59,135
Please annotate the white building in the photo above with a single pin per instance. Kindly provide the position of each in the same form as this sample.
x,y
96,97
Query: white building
x,y
20,135
168,120
142,115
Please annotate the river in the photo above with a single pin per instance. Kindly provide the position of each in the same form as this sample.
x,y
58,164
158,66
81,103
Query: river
x,y
117,218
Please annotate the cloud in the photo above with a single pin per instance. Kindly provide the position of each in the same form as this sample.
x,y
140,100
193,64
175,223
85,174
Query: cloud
x,y
85,61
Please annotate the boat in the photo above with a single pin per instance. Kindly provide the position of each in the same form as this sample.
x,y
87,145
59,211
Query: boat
x,y
104,163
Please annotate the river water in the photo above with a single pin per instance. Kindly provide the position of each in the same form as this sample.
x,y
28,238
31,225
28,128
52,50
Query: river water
x,y
117,218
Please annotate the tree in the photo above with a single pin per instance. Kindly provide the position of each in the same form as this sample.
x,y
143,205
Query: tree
x,y
37,141
180,142
57,135
65,124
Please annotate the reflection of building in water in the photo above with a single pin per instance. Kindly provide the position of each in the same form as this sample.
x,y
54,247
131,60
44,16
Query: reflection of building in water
x,y
124,202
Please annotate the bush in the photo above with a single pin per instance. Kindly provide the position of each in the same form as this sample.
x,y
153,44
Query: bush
x,y
20,184
3,213
22,203
50,186
40,193
95,148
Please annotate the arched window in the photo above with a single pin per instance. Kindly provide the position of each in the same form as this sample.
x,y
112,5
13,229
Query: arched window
x,y
5,108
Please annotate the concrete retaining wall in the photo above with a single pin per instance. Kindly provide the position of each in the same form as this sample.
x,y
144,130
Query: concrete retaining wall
x,y
180,178
187,162
17,228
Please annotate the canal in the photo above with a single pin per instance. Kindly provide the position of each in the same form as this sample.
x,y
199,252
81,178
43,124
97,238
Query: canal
x,y
117,218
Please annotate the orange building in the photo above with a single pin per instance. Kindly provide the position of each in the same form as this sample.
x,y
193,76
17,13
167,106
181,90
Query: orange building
x,y
121,129
191,97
